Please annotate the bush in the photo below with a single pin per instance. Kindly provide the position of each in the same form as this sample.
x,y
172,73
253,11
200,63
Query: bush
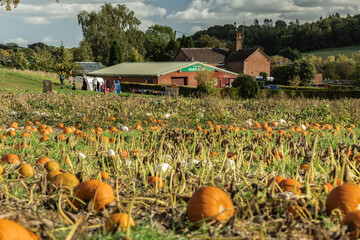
x,y
247,86
206,81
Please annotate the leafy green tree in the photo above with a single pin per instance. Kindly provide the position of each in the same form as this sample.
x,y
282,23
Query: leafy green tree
x,y
83,53
186,42
206,81
356,75
292,54
19,61
283,73
115,53
172,49
4,54
111,22
156,40
305,69
9,3
247,86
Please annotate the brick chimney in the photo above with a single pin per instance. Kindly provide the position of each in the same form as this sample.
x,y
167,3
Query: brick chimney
x,y
237,43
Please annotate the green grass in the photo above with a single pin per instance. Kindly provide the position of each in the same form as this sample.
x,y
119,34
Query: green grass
x,y
326,52
32,82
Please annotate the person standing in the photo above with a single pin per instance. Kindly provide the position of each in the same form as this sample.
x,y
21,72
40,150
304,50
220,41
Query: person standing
x,y
62,77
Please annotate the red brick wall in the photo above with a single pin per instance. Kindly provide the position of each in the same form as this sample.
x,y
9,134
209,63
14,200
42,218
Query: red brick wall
x,y
318,78
166,79
237,67
256,64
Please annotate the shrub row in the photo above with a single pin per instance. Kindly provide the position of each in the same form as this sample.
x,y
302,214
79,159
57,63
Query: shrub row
x,y
232,93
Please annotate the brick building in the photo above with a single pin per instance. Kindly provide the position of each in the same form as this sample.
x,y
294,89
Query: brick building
x,y
179,73
238,60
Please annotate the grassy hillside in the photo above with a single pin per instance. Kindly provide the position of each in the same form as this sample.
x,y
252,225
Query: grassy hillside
x,y
324,53
32,81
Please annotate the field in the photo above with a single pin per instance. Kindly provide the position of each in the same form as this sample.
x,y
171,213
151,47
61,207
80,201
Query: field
x,y
187,143
326,52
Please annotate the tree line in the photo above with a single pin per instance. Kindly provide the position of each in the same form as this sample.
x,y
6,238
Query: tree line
x,y
111,36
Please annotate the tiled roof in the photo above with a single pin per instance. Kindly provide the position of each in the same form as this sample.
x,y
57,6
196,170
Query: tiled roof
x,y
239,55
148,68
209,55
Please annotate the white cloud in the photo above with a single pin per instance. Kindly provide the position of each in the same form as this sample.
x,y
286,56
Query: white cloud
x,y
36,20
211,12
19,41
48,39
195,29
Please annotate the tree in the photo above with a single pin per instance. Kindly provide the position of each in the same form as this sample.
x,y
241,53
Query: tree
x,y
83,53
247,86
115,53
8,3
283,73
156,40
171,49
4,54
186,42
206,81
19,61
292,54
100,28
305,69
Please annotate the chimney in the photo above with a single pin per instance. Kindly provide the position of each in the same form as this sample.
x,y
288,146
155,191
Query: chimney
x,y
237,43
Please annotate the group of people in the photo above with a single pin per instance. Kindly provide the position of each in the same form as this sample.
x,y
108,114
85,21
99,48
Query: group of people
x,y
96,84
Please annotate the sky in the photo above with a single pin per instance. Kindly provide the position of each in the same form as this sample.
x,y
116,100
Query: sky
x,y
54,22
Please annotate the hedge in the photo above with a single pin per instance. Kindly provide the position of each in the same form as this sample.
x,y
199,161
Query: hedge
x,y
188,91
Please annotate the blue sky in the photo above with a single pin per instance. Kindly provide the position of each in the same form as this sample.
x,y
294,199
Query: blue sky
x,y
50,22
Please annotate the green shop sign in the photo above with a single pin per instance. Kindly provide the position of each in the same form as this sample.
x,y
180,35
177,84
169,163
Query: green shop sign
x,y
195,68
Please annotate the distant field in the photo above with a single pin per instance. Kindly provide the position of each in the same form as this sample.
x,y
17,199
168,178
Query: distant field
x,y
324,53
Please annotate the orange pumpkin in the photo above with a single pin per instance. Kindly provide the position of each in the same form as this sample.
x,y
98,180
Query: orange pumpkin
x,y
68,130
43,160
153,180
277,179
11,230
328,187
65,179
26,170
50,175
10,158
14,125
352,220
120,220
210,203
101,193
52,166
345,197
104,176
44,139
290,185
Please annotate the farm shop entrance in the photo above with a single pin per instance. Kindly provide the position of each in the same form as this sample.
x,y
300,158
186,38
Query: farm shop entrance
x,y
179,80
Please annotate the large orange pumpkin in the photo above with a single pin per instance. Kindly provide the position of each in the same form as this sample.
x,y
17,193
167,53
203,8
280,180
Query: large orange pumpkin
x,y
10,158
290,185
11,230
352,220
50,175
345,197
120,220
102,193
210,203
